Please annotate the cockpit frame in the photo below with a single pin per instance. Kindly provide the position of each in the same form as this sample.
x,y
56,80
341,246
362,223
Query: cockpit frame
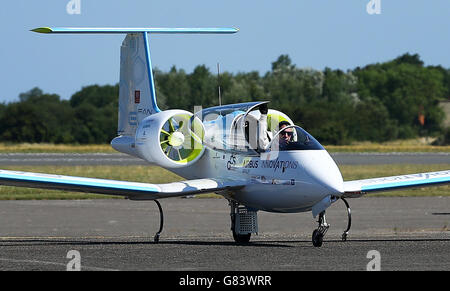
x,y
233,128
301,140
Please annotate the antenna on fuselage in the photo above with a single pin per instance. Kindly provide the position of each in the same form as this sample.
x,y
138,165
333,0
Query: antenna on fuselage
x,y
218,82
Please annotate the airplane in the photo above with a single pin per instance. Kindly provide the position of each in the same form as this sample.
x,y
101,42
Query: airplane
x,y
255,157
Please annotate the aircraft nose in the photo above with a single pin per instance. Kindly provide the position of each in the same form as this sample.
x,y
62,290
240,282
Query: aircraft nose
x,y
321,167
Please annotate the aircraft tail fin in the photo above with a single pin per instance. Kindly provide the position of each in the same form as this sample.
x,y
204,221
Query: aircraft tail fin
x,y
137,95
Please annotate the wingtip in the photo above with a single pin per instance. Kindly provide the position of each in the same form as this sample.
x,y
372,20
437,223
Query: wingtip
x,y
42,30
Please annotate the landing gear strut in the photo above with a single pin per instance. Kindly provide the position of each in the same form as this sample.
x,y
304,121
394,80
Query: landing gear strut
x,y
161,222
349,224
319,233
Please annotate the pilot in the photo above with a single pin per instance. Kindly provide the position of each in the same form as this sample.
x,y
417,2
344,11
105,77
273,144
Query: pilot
x,y
285,136
264,137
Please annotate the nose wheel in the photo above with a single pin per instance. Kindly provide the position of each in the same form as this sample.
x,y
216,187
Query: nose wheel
x,y
317,238
319,233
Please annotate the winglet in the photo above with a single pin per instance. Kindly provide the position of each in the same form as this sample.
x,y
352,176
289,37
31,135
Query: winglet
x,y
42,30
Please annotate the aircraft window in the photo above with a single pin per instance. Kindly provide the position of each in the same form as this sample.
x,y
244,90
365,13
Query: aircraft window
x,y
293,138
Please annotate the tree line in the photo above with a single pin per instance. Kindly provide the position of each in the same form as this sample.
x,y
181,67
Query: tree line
x,y
397,99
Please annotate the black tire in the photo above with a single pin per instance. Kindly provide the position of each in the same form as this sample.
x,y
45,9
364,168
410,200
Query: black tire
x,y
242,238
317,238
239,238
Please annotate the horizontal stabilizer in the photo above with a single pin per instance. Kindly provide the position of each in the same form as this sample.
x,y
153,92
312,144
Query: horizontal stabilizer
x,y
132,30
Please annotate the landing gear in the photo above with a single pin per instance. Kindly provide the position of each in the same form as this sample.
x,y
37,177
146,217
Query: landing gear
x,y
349,223
161,222
319,233
317,238
243,222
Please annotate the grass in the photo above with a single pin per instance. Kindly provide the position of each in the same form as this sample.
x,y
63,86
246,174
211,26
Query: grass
x,y
376,148
411,145
54,148
152,174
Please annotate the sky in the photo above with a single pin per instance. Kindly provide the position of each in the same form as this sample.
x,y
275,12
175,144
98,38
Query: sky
x,y
314,33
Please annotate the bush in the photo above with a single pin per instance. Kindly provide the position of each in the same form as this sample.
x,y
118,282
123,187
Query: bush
x,y
443,139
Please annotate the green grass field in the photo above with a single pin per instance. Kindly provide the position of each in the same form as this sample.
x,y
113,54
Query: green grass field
x,y
54,148
152,174
410,145
413,145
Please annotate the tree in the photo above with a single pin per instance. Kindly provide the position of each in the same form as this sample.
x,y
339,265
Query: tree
x,y
378,102
405,88
409,59
95,114
38,117
98,96
283,63
339,86
3,108
174,86
202,88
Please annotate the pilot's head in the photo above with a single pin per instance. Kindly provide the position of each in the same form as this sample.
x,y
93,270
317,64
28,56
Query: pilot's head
x,y
285,135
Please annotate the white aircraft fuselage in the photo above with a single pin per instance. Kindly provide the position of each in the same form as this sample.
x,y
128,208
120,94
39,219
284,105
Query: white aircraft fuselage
x,y
288,181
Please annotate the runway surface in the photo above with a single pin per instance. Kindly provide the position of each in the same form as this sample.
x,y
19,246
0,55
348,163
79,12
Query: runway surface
x,y
408,233
122,159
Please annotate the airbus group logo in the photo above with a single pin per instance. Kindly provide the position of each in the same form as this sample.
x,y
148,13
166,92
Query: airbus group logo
x,y
374,7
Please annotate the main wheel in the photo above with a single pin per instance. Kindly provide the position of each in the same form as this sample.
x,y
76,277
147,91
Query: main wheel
x,y
317,238
241,238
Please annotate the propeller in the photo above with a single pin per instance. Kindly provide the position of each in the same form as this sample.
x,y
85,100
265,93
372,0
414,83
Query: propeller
x,y
181,138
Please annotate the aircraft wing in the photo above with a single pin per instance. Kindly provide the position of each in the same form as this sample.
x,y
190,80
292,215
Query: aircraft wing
x,y
132,190
358,188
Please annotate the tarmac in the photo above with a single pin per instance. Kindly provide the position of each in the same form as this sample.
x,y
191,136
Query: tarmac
x,y
404,233
122,159
407,234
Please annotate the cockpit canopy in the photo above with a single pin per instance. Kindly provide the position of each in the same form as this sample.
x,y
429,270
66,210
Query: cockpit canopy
x,y
292,138
241,129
